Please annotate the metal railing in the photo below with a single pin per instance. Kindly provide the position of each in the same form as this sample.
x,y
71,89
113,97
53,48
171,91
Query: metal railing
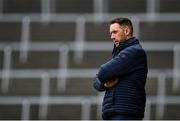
x,y
8,73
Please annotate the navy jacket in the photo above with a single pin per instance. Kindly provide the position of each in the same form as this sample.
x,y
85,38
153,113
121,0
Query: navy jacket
x,y
129,65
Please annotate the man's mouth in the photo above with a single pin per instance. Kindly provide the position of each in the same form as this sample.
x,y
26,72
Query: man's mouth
x,y
116,43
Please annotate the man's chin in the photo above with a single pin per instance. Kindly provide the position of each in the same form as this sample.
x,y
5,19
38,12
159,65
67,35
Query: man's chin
x,y
117,45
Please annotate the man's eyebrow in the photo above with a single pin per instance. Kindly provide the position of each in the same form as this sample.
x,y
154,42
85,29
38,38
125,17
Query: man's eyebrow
x,y
113,31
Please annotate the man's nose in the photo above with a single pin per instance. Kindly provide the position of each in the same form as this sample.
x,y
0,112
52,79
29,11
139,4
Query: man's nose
x,y
112,36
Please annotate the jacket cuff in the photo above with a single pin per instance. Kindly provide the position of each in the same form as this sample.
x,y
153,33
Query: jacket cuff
x,y
98,85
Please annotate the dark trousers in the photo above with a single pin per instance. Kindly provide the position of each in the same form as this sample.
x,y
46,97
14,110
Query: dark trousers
x,y
124,117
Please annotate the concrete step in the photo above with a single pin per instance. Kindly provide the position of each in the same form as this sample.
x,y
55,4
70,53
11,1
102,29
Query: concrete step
x,y
169,6
43,32
161,31
10,112
19,6
126,6
71,6
10,32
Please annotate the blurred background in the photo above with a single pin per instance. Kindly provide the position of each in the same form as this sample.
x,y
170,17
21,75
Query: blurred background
x,y
50,51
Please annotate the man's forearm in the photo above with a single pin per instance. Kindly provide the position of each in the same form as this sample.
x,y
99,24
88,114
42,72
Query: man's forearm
x,y
98,85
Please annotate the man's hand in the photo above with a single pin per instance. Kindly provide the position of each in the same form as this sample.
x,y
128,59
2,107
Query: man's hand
x,y
111,83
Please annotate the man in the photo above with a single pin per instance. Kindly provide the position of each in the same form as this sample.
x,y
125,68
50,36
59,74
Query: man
x,y
123,77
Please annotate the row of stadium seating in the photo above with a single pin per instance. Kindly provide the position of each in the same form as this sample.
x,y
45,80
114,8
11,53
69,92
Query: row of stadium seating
x,y
50,51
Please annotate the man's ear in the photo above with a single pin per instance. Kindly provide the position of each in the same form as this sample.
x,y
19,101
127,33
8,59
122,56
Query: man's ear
x,y
127,31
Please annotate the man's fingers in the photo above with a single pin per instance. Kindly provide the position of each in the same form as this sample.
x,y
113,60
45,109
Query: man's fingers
x,y
111,83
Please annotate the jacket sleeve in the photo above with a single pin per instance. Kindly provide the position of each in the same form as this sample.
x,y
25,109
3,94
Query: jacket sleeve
x,y
98,85
117,66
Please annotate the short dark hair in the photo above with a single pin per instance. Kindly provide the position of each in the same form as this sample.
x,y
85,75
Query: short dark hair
x,y
123,22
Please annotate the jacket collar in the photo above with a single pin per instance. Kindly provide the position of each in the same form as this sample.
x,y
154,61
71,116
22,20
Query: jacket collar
x,y
124,44
127,43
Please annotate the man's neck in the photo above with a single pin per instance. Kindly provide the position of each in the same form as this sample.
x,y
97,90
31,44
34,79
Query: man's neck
x,y
128,37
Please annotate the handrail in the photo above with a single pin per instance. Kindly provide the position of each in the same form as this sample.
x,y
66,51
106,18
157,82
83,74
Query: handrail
x,y
91,45
105,17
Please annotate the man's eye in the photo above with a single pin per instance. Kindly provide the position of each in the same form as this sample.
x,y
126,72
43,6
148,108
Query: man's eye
x,y
113,32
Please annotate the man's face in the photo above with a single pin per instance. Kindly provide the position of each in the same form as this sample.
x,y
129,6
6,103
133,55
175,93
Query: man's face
x,y
117,33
